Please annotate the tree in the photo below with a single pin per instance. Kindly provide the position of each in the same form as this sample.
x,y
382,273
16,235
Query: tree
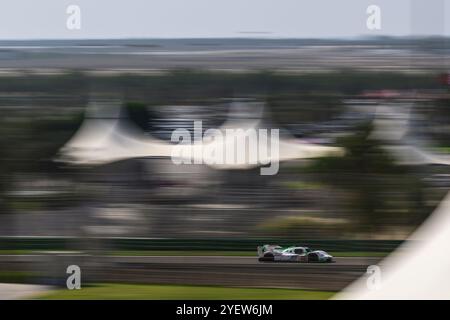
x,y
380,191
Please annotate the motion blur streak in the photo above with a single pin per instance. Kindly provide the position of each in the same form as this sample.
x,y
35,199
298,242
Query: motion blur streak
x,y
87,179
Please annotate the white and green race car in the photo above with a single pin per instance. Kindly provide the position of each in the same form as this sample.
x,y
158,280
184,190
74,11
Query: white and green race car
x,y
275,253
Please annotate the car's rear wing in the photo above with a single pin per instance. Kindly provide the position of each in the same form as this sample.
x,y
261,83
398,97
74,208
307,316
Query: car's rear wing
x,y
266,248
260,251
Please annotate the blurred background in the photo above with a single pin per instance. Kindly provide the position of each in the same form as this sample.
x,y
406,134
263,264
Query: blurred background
x,y
74,191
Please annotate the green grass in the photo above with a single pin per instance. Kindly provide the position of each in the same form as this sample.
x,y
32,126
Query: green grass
x,y
443,149
176,292
200,253
360,254
301,185
233,253
182,253
16,276
16,252
27,252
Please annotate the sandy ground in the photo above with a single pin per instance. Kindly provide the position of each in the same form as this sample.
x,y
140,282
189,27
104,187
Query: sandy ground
x,y
12,291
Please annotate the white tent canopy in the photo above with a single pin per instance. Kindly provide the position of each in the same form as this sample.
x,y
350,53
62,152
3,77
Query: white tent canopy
x,y
393,126
105,137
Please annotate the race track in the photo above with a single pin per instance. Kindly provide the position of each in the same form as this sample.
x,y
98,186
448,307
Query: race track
x,y
239,271
199,270
233,260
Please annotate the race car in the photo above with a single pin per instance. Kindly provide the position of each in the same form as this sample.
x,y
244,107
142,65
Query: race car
x,y
291,254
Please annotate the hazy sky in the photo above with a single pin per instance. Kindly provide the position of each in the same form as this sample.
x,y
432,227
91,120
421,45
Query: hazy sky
x,y
38,19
